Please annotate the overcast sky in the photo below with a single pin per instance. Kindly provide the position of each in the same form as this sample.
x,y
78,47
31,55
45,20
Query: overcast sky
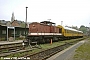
x,y
71,12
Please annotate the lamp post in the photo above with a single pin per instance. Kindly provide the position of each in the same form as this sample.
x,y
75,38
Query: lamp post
x,y
89,29
26,22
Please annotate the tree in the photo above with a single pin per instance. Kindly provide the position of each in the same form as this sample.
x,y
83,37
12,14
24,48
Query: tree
x,y
83,28
22,25
88,31
75,27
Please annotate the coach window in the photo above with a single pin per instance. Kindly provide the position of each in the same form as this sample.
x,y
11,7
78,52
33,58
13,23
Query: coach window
x,y
65,31
3,31
68,31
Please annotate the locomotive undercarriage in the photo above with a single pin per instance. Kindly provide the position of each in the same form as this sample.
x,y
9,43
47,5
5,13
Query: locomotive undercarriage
x,y
43,39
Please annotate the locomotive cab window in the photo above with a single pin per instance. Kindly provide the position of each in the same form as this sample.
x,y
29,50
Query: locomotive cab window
x,y
60,30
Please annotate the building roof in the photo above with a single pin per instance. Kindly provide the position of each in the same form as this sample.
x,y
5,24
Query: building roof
x,y
3,22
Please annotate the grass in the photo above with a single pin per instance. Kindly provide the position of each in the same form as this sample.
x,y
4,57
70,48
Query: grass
x,y
83,52
44,47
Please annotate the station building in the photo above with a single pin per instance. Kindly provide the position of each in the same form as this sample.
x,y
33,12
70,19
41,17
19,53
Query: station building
x,y
9,31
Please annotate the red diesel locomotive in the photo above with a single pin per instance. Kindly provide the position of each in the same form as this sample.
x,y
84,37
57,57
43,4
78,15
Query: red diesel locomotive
x,y
43,32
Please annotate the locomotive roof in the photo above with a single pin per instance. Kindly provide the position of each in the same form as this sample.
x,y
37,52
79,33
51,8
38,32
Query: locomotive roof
x,y
67,28
47,22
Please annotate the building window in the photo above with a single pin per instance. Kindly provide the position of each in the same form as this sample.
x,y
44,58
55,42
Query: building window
x,y
20,33
12,32
24,32
3,31
15,32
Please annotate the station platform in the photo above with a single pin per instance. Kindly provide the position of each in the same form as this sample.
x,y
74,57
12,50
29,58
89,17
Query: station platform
x,y
67,53
10,42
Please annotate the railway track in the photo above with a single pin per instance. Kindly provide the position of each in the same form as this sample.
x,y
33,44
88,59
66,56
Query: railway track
x,y
13,48
8,48
42,55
